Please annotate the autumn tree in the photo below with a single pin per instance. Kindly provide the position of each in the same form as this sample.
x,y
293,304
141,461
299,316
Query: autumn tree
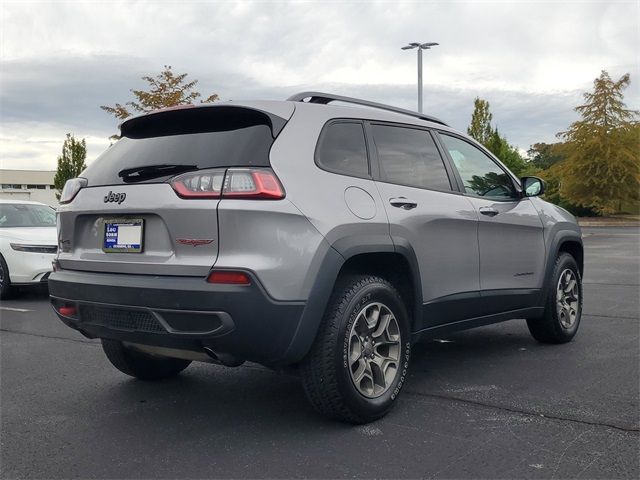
x,y
602,169
71,163
167,89
480,127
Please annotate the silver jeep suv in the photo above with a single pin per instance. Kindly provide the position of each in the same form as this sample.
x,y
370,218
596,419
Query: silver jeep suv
x,y
328,238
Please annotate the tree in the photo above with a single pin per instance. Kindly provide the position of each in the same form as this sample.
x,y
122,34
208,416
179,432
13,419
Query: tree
x,y
71,163
507,153
166,89
602,169
543,155
482,130
480,127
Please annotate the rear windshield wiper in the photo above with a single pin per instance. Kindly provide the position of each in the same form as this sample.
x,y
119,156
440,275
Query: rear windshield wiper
x,y
147,172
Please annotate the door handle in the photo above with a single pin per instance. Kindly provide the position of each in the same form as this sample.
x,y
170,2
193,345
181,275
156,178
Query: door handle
x,y
402,202
489,211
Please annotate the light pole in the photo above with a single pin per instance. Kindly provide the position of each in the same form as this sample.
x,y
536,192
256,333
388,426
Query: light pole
x,y
420,47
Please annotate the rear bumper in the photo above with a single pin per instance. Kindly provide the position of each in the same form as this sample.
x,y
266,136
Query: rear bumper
x,y
27,268
179,312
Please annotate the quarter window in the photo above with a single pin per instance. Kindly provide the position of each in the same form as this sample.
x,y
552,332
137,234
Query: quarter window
x,y
409,156
480,174
343,149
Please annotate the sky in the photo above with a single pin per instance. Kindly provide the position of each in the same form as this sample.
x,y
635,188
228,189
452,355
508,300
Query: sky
x,y
59,61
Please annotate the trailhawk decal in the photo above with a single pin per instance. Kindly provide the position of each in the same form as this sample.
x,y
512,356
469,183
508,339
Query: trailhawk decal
x,y
194,242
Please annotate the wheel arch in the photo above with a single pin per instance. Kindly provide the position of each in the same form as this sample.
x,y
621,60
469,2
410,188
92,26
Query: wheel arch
x,y
569,241
395,263
575,249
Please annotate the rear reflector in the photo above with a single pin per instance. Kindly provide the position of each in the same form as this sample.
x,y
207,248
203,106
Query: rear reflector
x,y
250,183
67,311
229,277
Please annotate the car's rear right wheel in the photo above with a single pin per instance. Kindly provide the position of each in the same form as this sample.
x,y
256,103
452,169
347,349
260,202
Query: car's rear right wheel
x,y
359,360
141,365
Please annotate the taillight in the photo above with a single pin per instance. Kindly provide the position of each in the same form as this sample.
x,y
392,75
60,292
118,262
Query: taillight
x,y
199,184
258,183
232,277
71,189
251,183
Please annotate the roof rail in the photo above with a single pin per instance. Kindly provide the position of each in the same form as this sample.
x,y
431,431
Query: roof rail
x,y
325,98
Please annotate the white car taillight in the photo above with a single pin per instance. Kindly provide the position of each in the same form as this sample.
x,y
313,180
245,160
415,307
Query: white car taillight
x,y
71,189
250,183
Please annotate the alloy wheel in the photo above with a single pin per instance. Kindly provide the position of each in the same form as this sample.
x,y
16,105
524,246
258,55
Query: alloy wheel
x,y
374,350
567,298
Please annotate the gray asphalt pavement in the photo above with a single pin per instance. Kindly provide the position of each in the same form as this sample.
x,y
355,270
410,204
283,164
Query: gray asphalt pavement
x,y
486,403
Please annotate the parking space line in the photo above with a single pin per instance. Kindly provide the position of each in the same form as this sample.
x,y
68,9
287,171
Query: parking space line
x,y
12,309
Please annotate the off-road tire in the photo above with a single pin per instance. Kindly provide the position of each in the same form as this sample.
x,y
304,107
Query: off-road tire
x,y
548,328
139,364
325,371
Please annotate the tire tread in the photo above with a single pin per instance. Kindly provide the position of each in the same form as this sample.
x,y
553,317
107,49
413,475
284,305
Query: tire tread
x,y
319,377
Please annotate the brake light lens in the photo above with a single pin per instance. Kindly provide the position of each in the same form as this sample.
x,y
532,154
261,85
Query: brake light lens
x,y
229,277
71,189
249,183
256,183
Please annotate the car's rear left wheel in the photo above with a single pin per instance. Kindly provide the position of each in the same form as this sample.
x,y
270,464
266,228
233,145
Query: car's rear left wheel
x,y
141,365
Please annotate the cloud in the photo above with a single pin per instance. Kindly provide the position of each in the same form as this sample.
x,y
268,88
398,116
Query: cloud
x,y
531,60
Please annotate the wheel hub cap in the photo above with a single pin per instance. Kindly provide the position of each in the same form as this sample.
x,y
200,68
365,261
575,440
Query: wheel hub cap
x,y
567,298
374,350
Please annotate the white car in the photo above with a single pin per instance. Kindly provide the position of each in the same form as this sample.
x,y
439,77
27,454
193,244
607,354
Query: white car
x,y
28,243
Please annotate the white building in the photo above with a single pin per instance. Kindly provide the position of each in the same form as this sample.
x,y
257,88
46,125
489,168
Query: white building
x,y
34,185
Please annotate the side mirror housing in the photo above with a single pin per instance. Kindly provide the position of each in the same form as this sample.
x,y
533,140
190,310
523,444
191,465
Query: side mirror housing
x,y
532,186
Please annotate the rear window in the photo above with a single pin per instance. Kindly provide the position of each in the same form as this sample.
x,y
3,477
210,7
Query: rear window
x,y
26,215
195,138
409,157
342,149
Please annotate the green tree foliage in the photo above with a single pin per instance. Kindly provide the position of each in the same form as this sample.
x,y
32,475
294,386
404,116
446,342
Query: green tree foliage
x,y
507,153
71,163
602,168
480,127
167,89
482,130
543,155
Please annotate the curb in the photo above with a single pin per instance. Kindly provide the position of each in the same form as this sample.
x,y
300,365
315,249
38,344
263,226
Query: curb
x,y
612,224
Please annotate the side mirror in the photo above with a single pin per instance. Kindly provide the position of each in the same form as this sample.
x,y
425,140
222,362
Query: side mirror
x,y
532,186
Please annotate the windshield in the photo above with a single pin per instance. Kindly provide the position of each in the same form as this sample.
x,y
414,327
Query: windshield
x,y
26,215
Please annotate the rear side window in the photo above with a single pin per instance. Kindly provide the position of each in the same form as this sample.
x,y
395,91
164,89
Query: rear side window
x,y
190,139
342,149
409,156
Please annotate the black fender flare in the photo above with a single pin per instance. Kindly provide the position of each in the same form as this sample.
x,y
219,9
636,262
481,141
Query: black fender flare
x,y
331,262
559,238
